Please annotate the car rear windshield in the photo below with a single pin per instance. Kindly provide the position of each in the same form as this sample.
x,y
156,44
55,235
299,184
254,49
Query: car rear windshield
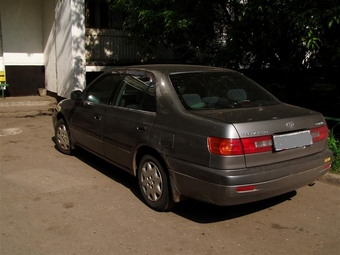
x,y
219,90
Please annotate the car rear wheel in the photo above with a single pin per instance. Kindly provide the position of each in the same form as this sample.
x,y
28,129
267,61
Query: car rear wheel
x,y
154,184
62,137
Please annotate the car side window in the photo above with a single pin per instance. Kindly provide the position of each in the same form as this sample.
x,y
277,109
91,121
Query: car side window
x,y
101,90
136,94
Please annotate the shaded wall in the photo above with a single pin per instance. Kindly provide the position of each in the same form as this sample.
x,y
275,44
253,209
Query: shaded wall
x,y
21,27
22,32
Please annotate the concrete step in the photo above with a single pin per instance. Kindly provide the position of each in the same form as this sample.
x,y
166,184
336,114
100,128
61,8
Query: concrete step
x,y
27,106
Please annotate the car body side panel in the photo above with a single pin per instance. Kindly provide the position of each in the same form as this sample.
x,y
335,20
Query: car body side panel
x,y
189,134
86,125
123,130
189,131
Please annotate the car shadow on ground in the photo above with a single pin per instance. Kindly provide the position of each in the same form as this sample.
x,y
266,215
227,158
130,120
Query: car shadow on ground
x,y
113,172
207,213
196,211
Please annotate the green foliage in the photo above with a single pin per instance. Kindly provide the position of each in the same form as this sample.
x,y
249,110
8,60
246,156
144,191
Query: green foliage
x,y
172,23
281,34
284,34
334,146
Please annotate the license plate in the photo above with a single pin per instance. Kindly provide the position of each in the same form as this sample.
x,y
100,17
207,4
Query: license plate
x,y
292,140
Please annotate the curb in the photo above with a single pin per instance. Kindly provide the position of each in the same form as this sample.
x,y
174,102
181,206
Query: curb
x,y
27,106
25,103
28,101
329,178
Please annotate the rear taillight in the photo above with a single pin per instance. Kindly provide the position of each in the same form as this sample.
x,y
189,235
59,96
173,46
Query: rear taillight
x,y
319,133
226,146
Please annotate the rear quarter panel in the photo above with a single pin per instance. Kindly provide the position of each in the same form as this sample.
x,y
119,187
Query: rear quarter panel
x,y
183,135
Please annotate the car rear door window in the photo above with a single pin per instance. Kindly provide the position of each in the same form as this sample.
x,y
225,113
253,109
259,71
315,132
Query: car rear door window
x,y
136,93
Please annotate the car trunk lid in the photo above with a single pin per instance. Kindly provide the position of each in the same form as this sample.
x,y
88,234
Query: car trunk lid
x,y
288,129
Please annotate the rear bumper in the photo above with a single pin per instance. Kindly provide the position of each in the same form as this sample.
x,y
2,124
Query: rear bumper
x,y
220,186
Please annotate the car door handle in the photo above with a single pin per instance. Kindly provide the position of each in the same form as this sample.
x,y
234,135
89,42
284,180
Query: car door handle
x,y
142,128
88,104
98,117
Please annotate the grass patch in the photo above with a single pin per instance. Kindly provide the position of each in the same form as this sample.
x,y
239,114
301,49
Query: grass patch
x,y
334,146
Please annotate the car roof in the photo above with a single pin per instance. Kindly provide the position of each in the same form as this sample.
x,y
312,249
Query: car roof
x,y
177,68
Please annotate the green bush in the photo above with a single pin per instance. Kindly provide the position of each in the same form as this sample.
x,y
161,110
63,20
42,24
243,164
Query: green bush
x,y
334,146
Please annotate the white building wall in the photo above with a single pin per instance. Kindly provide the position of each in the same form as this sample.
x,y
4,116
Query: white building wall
x,y
63,43
78,44
65,65
22,32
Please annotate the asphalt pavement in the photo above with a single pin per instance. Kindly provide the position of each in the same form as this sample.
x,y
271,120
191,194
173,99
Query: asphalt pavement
x,y
44,105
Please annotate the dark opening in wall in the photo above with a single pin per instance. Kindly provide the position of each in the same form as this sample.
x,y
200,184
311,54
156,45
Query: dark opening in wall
x,y
24,80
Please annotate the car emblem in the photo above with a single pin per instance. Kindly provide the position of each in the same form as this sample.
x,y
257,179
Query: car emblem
x,y
319,123
290,124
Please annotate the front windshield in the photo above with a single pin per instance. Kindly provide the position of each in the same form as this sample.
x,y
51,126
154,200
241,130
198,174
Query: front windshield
x,y
219,90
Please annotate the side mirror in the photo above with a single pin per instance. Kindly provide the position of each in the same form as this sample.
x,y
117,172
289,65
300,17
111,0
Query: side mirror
x,y
76,95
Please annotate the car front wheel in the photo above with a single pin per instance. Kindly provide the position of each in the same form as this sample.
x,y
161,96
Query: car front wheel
x,y
154,184
62,137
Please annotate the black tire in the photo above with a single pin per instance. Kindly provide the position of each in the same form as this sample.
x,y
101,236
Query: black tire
x,y
63,138
154,184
